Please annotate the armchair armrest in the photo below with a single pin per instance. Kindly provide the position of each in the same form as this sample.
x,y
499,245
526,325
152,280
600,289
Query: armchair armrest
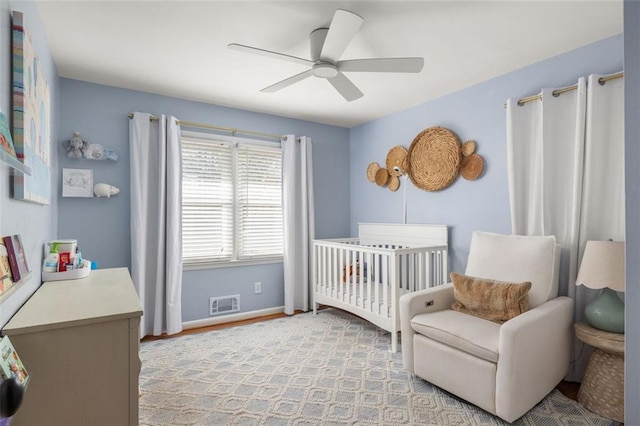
x,y
411,304
534,348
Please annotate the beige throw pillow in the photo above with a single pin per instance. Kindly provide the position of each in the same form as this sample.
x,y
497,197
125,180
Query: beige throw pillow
x,y
495,301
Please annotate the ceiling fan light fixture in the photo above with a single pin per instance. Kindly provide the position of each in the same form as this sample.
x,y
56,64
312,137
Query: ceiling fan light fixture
x,y
325,70
327,46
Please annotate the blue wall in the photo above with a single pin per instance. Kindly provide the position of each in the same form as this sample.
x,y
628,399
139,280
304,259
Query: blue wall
x,y
101,225
35,223
474,113
632,177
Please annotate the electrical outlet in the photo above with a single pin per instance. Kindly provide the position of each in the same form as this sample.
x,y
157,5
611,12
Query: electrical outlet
x,y
258,287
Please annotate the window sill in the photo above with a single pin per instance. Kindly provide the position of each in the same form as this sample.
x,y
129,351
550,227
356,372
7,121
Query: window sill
x,y
230,264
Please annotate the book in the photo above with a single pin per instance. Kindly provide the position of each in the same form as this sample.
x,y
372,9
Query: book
x,y
10,363
17,258
13,261
20,256
6,278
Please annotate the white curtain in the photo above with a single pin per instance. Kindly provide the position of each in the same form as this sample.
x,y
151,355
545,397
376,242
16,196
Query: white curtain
x,y
299,224
566,177
156,222
545,148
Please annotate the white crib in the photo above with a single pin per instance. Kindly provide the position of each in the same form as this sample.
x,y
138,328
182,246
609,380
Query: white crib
x,y
367,275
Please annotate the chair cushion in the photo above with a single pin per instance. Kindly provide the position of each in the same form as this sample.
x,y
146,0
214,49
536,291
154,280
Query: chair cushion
x,y
470,334
514,259
492,300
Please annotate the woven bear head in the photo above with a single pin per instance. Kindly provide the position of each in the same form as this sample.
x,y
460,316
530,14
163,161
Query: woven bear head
x,y
395,166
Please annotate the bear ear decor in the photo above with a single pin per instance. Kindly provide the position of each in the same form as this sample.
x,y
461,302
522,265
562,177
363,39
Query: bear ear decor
x,y
472,164
78,148
371,172
433,161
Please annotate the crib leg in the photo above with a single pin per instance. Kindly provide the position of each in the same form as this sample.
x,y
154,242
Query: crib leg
x,y
315,308
394,342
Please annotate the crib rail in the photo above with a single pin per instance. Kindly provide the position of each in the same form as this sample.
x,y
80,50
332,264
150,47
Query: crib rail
x,y
372,277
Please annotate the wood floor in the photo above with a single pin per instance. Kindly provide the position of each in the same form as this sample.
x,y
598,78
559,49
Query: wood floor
x,y
569,389
215,327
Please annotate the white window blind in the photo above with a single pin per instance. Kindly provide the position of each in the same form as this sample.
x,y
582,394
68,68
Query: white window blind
x,y
207,201
232,200
259,172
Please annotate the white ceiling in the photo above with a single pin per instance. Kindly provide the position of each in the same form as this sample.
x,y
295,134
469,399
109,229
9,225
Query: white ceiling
x,y
179,48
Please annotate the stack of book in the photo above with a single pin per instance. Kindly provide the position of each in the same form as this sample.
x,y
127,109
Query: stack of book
x,y
13,262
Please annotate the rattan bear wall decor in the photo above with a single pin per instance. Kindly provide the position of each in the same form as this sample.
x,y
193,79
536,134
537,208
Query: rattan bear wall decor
x,y
433,161
395,167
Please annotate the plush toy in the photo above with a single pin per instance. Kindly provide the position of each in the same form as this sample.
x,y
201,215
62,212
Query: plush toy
x,y
75,146
94,151
105,190
344,271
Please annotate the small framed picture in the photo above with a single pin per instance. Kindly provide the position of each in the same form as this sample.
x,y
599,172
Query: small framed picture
x,y
77,183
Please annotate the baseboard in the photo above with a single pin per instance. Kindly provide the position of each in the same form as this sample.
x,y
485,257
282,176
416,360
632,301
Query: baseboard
x,y
205,322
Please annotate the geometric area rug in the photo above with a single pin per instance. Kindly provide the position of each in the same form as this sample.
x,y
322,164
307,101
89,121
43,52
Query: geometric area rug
x,y
330,369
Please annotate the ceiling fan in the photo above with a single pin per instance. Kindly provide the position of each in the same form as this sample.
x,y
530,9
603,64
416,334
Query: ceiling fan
x,y
327,45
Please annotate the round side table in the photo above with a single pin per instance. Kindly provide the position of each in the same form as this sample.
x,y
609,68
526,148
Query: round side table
x,y
602,389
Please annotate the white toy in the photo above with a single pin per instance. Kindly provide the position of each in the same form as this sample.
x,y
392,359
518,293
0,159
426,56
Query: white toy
x,y
105,190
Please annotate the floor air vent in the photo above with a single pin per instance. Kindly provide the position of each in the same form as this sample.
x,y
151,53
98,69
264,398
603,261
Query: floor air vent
x,y
224,304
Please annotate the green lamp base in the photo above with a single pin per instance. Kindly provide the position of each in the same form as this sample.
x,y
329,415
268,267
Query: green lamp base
x,y
606,312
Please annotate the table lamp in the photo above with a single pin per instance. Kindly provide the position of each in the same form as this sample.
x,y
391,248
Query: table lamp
x,y
602,267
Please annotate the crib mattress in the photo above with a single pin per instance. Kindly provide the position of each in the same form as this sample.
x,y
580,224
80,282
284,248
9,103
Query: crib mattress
x,y
364,298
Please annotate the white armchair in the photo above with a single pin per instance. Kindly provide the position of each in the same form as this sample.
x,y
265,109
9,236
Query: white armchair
x,y
505,369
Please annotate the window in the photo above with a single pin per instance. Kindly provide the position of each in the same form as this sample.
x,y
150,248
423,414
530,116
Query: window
x,y
231,199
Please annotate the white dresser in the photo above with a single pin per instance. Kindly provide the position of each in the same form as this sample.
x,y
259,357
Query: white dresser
x,y
79,341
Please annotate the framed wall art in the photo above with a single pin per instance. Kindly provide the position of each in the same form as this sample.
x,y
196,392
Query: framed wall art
x,y
77,183
31,118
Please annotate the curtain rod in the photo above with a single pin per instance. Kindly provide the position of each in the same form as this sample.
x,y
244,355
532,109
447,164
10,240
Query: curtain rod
x,y
558,92
231,130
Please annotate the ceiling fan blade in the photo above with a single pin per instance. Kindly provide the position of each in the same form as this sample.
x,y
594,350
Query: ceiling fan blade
x,y
342,29
345,87
268,53
382,65
288,82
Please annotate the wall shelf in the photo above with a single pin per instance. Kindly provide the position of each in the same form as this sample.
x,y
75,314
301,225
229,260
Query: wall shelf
x,y
15,164
4,296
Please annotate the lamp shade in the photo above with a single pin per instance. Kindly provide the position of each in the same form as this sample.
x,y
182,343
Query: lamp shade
x,y
602,265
